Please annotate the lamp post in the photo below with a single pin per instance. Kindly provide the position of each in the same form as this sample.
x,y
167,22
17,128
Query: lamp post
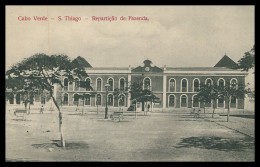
x,y
106,109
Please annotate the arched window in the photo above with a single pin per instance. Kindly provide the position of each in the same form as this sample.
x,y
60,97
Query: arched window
x,y
76,99
221,101
233,83
196,85
184,101
11,98
111,83
66,84
121,100
87,84
98,102
99,83
87,100
42,99
221,83
209,82
195,101
76,86
18,97
122,84
147,83
184,84
171,101
233,102
65,99
110,100
172,85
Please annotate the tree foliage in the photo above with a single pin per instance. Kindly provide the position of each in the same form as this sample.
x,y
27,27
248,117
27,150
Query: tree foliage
x,y
41,72
247,61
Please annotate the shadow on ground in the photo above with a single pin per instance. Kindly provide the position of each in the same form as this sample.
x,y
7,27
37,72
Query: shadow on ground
x,y
56,145
217,143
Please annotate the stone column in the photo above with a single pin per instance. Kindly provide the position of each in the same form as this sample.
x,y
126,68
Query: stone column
x,y
14,99
164,89
129,84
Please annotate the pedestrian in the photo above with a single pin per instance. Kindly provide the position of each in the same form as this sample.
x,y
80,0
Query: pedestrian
x,y
41,110
148,107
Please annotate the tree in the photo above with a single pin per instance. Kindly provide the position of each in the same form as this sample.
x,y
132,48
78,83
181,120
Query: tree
x,y
141,95
42,71
248,60
233,90
204,95
119,95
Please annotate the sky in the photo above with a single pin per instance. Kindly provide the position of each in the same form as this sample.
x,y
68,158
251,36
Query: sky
x,y
175,36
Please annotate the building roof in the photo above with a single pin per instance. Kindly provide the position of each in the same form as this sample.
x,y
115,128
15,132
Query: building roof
x,y
81,62
200,69
107,68
226,62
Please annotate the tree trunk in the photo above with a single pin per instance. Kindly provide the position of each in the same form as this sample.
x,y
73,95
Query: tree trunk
x,y
228,108
62,139
204,107
29,108
83,107
213,111
214,107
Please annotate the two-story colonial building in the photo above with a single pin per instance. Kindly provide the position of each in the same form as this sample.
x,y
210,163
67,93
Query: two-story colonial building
x,y
176,87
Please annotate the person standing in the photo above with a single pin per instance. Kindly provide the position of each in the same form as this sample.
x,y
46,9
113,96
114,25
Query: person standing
x,y
41,110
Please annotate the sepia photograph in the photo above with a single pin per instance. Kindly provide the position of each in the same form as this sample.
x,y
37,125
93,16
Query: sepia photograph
x,y
130,83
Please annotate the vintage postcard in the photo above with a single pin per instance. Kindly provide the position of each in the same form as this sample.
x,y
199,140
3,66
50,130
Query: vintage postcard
x,y
130,83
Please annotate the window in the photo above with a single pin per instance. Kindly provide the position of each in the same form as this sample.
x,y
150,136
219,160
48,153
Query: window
x,y
18,97
87,84
42,99
121,100
111,83
147,83
233,83
195,101
66,83
171,101
209,82
183,101
184,85
11,98
31,99
172,85
221,101
196,85
110,100
76,88
98,102
76,99
221,83
65,99
87,100
233,102
122,84
98,84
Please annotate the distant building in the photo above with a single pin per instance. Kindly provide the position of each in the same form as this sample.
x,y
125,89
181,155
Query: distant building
x,y
176,87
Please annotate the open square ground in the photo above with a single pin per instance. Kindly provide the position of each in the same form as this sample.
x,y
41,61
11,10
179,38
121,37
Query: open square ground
x,y
171,136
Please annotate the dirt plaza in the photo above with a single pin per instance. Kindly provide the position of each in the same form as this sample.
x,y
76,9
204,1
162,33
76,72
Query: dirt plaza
x,y
158,136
